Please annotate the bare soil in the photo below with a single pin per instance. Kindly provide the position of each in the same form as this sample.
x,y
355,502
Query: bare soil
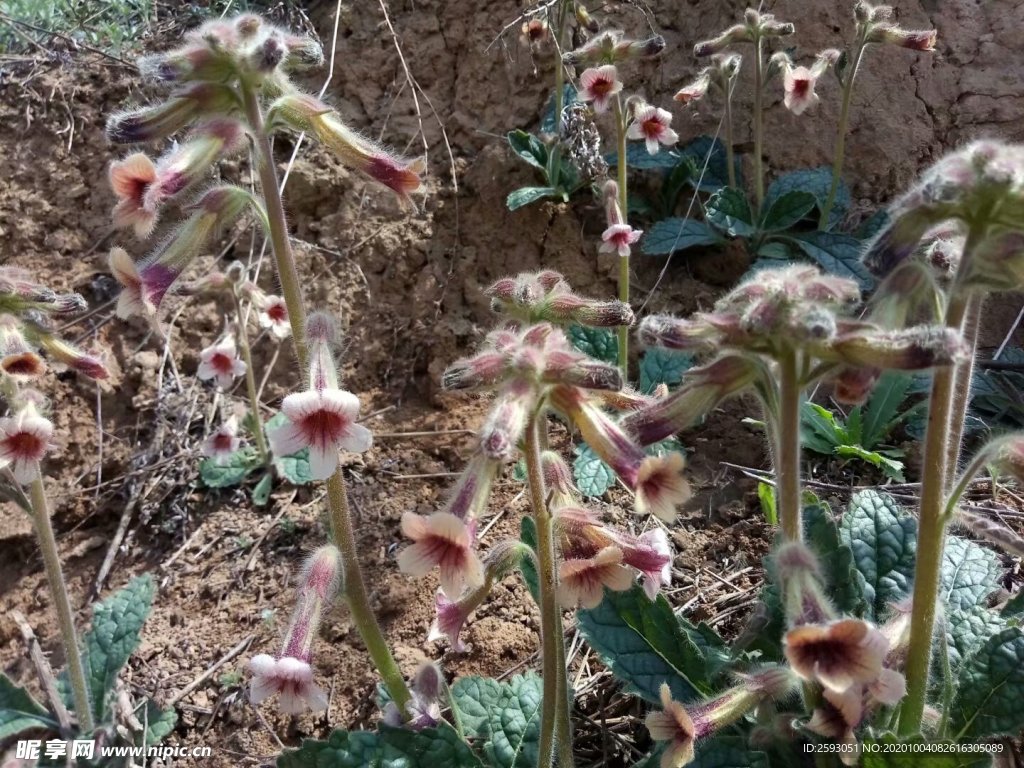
x,y
408,288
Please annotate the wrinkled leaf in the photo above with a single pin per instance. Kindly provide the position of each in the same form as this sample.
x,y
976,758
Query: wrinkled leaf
x,y
884,543
815,181
662,366
787,210
967,629
548,124
599,343
991,688
518,198
837,559
19,711
159,722
677,234
970,573
233,471
529,148
835,253
389,747
644,645
729,211
502,717
593,477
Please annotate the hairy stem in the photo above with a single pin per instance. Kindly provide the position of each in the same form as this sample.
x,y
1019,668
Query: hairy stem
x,y
555,705
962,386
59,593
729,156
250,378
930,536
559,29
787,454
844,119
622,168
342,531
758,126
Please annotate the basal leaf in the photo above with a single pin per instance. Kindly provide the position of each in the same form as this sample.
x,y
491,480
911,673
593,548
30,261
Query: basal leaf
x,y
115,633
159,722
725,751
970,573
593,477
710,159
389,747
599,343
815,181
729,211
503,719
529,148
787,210
644,645
837,254
523,196
639,159
991,688
261,491
20,712
883,407
475,697
662,366
548,123
232,471
967,629
677,234
884,543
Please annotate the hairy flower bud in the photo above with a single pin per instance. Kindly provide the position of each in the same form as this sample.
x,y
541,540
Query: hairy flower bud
x,y
190,63
738,33
891,34
67,354
908,349
192,102
504,428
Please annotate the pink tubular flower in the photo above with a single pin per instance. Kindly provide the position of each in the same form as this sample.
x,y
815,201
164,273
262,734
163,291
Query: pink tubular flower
x,y
323,420
598,85
696,90
583,581
131,301
274,316
441,539
291,678
618,238
24,440
674,725
130,179
650,124
838,655
220,445
660,486
220,361
653,558
799,82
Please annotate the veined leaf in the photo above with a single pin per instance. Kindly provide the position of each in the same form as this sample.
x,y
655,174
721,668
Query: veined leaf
x,y
677,234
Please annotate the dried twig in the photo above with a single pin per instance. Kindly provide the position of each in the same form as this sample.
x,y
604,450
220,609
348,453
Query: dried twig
x,y
44,671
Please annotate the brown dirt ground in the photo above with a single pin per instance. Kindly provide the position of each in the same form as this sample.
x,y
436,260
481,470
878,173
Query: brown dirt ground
x,y
409,290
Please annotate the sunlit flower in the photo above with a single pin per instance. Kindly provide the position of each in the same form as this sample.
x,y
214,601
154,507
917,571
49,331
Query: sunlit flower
x,y
583,581
220,445
291,678
24,440
838,654
221,362
130,179
653,559
674,725
651,125
598,85
618,238
443,540
274,316
660,486
323,421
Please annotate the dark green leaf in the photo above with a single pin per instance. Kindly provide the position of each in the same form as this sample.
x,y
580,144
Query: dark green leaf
x,y
19,711
970,573
548,124
819,430
710,158
599,343
644,645
502,717
115,633
787,210
662,366
261,491
529,148
639,159
774,249
1014,607
836,254
388,748
882,409
729,211
815,181
475,697
159,722
991,687
872,225
233,471
884,543
677,234
517,198
967,629
593,477
528,567
837,560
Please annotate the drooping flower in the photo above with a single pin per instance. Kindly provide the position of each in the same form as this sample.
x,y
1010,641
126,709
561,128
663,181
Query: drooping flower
x,y
838,654
534,33
424,707
221,362
618,238
24,441
695,90
674,725
324,421
289,677
450,617
130,301
598,85
651,125
17,359
442,540
799,82
660,485
582,582
653,559
274,316
130,179
224,442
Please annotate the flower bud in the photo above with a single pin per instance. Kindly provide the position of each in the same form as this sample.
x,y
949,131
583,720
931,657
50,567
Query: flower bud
x,y
800,578
891,34
558,481
190,63
68,355
696,90
483,370
611,47
908,349
504,428
192,160
473,487
738,33
192,102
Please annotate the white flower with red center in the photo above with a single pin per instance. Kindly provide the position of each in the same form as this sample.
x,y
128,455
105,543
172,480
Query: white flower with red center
x,y
651,125
618,238
324,421
598,85
660,486
442,540
130,179
799,86
274,316
24,441
583,581
224,442
291,679
221,362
